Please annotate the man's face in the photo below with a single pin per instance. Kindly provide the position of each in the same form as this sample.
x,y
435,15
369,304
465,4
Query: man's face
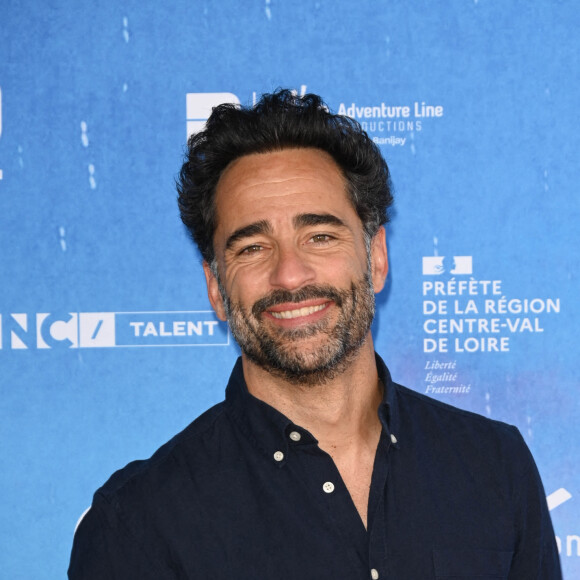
x,y
295,278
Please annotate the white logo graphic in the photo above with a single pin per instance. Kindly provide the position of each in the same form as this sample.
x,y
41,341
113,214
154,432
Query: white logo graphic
x,y
568,544
438,265
111,329
558,498
200,105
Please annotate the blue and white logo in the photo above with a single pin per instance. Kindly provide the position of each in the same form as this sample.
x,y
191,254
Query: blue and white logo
x,y
438,265
21,331
200,105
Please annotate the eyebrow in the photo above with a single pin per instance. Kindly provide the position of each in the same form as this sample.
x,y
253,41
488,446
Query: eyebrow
x,y
255,229
300,221
317,219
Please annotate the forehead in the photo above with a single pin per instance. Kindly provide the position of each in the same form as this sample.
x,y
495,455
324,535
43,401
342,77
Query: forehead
x,y
287,180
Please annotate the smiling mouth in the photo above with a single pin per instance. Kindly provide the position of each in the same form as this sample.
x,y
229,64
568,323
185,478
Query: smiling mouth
x,y
298,312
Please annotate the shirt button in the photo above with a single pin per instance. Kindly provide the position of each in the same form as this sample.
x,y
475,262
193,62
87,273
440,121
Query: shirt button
x,y
374,574
278,456
328,487
393,440
295,436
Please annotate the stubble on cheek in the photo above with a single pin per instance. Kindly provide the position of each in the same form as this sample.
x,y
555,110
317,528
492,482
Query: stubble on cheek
x,y
287,352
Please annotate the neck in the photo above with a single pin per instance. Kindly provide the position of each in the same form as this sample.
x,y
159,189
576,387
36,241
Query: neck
x,y
341,412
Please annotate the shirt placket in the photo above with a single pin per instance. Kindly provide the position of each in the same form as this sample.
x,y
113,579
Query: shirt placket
x,y
330,492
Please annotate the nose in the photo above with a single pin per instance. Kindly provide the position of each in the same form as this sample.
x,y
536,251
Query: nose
x,y
291,270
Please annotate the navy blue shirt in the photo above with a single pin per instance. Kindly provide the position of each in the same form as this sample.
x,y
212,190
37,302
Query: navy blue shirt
x,y
245,494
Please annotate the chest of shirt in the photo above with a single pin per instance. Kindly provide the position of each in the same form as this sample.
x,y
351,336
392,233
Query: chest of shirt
x,y
249,517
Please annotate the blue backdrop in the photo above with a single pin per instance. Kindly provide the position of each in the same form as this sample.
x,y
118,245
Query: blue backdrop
x,y
107,343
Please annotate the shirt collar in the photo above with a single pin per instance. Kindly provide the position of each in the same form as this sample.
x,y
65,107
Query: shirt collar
x,y
270,431
388,411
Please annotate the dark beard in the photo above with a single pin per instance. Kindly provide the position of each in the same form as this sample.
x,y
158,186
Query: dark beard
x,y
275,350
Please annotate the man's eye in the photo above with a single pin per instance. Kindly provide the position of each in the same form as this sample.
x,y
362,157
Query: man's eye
x,y
251,249
321,238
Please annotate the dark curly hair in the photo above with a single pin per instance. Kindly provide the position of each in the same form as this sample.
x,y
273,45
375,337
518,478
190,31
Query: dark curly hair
x,y
281,120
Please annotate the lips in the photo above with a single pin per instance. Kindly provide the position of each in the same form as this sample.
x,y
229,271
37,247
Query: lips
x,y
298,312
285,305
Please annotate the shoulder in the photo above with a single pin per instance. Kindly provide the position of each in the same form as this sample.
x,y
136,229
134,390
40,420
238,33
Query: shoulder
x,y
154,494
447,427
438,410
169,464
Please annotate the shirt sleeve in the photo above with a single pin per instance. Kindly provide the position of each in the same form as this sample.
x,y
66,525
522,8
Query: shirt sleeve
x,y
104,549
536,555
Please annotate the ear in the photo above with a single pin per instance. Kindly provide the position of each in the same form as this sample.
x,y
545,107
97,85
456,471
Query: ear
x,y
379,259
213,292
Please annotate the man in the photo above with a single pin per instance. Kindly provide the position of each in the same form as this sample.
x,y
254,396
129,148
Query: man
x,y
316,465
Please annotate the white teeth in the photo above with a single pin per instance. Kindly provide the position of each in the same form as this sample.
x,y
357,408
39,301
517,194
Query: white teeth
x,y
298,312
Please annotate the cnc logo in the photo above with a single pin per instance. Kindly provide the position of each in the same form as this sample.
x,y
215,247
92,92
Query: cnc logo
x,y
199,106
111,329
439,265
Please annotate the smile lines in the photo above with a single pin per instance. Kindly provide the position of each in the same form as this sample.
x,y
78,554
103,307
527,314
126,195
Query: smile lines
x,y
287,314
